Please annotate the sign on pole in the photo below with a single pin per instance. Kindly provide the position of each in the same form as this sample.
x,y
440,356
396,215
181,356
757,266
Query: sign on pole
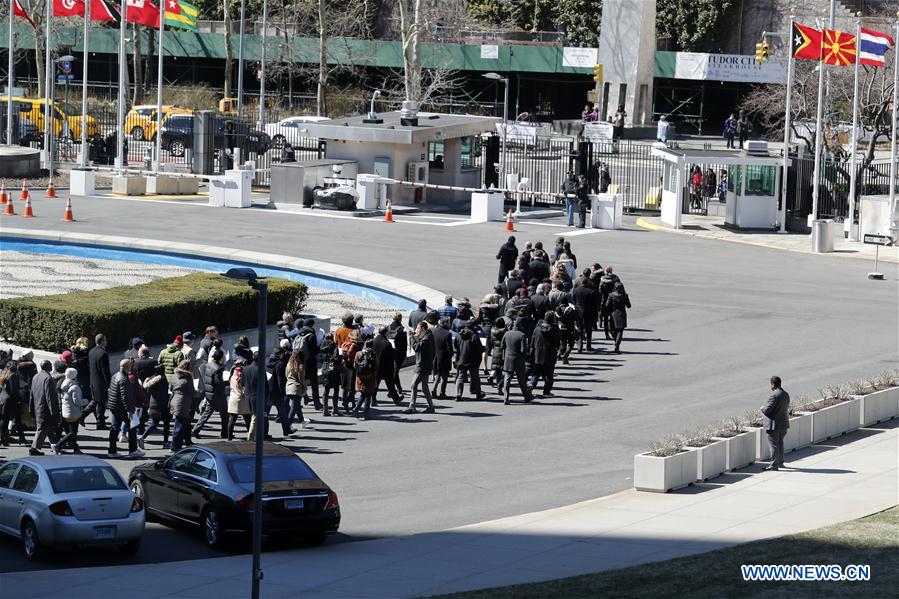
x,y
884,240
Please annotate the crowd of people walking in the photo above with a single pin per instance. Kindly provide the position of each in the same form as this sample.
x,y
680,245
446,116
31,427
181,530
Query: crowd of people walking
x,y
541,309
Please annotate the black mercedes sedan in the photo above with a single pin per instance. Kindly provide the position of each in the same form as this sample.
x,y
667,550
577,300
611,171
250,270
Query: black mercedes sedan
x,y
211,486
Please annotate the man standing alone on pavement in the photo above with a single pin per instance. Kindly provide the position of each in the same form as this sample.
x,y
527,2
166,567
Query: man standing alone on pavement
x,y
776,418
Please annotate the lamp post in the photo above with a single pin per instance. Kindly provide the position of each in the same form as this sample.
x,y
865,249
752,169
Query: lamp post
x,y
502,160
243,21
249,275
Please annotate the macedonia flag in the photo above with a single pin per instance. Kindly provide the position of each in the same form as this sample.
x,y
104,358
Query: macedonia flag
x,y
838,48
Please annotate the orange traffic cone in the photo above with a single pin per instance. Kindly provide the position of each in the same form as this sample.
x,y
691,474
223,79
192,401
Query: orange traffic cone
x,y
28,213
67,217
510,226
51,191
2,194
388,216
24,195
10,210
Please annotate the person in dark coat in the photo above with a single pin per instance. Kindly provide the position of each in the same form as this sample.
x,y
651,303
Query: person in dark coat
x,y
157,387
183,397
120,403
583,201
134,347
242,349
544,351
365,368
567,317
507,255
586,301
212,384
386,364
332,367
397,332
606,286
418,315
10,401
98,361
308,342
277,384
46,408
468,353
81,363
495,349
776,420
617,304
250,381
539,268
443,357
515,351
423,346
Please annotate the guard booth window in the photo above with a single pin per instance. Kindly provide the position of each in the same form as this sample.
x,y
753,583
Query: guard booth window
x,y
671,176
760,180
436,154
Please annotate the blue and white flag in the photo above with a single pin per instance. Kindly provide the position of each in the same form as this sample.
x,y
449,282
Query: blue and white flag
x,y
873,46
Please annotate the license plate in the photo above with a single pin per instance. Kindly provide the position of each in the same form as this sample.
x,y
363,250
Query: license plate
x,y
104,532
293,504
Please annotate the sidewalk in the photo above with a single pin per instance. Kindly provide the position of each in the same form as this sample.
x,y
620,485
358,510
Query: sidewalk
x,y
842,479
710,227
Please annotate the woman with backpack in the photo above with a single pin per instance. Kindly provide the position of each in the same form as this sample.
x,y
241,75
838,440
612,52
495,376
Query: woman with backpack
x,y
332,368
348,350
365,367
238,404
157,387
295,388
72,401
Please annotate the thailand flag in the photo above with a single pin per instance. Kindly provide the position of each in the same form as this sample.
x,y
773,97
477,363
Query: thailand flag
x,y
873,46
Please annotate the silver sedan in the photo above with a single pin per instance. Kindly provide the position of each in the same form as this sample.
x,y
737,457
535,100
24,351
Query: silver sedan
x,y
68,500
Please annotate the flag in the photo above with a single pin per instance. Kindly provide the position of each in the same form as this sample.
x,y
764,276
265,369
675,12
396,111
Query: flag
x,y
179,13
101,11
143,12
872,47
69,8
838,48
806,42
20,12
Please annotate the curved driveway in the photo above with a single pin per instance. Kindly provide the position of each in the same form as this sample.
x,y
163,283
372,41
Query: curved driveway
x,y
712,321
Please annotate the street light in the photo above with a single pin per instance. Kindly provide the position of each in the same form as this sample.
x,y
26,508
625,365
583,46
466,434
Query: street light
x,y
249,275
502,160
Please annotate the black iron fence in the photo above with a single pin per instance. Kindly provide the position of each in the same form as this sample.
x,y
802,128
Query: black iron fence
x,y
833,194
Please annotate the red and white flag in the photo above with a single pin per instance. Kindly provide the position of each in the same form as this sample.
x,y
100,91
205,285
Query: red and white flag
x,y
143,12
100,11
20,12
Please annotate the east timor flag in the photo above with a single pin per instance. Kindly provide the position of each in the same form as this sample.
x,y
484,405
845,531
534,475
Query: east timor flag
x,y
838,48
806,42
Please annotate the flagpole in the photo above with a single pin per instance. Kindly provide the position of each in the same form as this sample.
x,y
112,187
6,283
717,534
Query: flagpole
x,y
48,75
9,77
850,219
816,184
159,88
789,110
84,150
893,216
262,68
243,16
121,161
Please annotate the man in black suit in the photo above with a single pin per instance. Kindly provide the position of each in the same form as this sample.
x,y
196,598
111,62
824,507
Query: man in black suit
x,y
776,419
250,379
515,350
443,357
587,303
98,362
385,354
507,255
423,346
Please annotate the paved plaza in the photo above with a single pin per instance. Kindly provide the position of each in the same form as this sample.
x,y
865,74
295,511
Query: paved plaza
x,y
711,322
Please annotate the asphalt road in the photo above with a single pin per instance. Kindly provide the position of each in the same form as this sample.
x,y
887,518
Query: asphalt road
x,y
712,321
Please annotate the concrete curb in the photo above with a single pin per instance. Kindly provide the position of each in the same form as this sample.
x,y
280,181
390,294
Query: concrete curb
x,y
403,288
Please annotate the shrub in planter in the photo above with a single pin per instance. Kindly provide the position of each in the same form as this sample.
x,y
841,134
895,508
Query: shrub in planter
x,y
740,443
155,311
665,467
711,455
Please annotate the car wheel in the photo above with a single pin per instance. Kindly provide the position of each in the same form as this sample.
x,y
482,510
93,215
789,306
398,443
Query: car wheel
x,y
31,544
278,141
212,528
176,148
138,133
137,488
131,547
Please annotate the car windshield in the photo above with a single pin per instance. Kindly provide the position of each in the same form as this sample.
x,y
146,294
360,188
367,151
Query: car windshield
x,y
243,469
85,478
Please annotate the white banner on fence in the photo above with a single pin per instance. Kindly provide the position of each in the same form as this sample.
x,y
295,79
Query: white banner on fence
x,y
727,67
579,57
490,51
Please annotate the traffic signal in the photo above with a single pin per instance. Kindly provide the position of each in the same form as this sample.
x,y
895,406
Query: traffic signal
x,y
597,73
759,52
765,51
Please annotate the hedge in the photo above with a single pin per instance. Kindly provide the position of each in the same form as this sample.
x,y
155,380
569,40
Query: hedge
x,y
155,311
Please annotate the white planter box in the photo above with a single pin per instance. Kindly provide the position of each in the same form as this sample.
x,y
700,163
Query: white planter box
x,y
879,406
741,450
711,460
657,474
800,433
835,420
762,449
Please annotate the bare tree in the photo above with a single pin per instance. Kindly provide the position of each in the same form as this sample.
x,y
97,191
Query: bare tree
x,y
229,48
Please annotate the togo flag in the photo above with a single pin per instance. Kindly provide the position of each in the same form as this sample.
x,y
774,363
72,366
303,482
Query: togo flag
x,y
179,13
873,46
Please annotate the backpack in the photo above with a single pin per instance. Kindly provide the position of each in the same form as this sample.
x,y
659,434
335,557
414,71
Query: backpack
x,y
348,351
365,366
299,343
